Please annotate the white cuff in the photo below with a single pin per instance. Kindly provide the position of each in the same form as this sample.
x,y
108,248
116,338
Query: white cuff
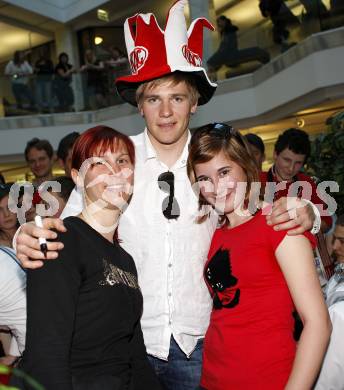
x,y
14,241
317,222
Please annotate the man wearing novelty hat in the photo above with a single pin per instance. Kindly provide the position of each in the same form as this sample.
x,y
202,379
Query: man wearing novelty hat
x,y
159,226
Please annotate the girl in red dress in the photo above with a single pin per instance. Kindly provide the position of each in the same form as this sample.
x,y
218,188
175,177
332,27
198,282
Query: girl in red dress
x,y
256,276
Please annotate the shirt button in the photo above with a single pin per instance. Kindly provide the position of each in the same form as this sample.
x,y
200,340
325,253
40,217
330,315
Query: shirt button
x,y
170,265
170,322
169,294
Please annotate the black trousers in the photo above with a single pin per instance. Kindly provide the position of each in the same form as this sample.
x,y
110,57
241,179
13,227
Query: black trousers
x,y
103,382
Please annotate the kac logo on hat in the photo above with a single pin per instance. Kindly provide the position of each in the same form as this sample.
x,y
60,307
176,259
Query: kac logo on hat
x,y
155,53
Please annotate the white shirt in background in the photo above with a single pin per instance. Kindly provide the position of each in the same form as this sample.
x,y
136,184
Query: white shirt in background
x,y
331,376
19,73
12,300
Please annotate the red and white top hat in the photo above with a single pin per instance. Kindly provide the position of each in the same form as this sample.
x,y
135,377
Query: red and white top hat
x,y
154,53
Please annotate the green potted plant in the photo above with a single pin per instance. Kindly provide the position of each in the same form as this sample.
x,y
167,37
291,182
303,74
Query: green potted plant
x,y
327,157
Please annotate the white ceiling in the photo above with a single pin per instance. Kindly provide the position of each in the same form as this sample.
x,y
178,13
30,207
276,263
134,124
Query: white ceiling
x,y
18,39
60,10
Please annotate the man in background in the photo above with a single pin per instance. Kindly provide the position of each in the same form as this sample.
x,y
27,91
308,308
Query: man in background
x,y
292,150
39,155
64,151
332,371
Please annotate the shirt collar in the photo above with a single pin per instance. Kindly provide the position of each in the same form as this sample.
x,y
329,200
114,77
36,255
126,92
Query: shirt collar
x,y
149,152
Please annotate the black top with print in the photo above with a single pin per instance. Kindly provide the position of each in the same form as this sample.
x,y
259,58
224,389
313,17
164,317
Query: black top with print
x,y
84,314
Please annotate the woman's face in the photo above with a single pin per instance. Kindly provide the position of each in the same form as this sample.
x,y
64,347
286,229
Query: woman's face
x,y
109,177
8,220
222,183
64,59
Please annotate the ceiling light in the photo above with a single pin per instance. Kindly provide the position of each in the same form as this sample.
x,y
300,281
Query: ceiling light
x,y
103,15
98,40
300,122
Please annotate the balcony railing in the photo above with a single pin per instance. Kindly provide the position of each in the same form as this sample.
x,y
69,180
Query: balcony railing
x,y
259,36
48,95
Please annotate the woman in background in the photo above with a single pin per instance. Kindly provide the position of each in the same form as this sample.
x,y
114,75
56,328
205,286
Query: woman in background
x,y
62,83
20,70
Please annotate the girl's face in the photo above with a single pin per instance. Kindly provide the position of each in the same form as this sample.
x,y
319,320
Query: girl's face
x,y
109,178
222,183
64,59
8,220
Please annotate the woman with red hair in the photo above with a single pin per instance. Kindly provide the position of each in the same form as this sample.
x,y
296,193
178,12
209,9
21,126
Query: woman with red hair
x,y
83,323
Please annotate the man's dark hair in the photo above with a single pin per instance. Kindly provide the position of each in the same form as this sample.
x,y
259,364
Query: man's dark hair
x,y
294,139
256,141
67,186
229,27
39,144
65,144
340,220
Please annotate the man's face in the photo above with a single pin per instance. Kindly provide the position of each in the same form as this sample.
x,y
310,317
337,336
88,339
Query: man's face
x,y
288,164
40,163
338,243
167,109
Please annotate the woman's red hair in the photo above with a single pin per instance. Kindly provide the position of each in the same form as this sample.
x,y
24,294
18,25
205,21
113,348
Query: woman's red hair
x,y
95,141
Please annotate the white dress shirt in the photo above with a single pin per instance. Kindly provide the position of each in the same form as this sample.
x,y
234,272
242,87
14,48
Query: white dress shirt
x,y
331,376
13,300
169,254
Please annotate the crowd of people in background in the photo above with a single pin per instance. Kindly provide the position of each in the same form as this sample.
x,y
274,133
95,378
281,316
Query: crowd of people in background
x,y
47,88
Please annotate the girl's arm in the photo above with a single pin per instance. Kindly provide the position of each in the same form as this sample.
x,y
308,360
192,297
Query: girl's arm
x,y
296,260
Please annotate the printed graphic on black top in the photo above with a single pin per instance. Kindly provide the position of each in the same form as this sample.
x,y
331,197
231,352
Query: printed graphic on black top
x,y
219,276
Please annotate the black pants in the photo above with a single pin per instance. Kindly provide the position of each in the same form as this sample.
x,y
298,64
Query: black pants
x,y
103,382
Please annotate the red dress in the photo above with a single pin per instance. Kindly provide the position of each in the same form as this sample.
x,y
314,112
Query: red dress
x,y
249,344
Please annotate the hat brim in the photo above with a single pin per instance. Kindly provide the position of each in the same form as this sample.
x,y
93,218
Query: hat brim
x,y
127,86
